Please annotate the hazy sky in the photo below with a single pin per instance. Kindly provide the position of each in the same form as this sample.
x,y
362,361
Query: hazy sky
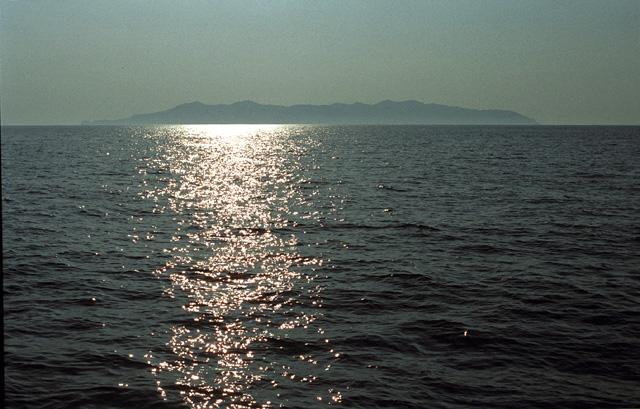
x,y
557,61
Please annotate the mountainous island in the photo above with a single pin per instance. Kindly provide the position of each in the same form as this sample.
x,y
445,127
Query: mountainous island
x,y
385,112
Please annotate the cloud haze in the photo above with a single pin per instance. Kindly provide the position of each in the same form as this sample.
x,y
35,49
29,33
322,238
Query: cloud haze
x,y
556,61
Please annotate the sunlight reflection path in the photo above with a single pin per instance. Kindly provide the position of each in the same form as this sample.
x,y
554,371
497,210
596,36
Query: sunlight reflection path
x,y
232,189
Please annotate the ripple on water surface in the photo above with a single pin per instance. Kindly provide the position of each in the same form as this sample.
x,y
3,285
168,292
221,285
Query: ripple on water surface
x,y
305,266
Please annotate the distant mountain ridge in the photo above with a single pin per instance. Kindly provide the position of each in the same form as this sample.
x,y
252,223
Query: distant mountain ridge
x,y
384,112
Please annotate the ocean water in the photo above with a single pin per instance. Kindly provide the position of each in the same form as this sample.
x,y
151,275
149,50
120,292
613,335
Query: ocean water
x,y
311,266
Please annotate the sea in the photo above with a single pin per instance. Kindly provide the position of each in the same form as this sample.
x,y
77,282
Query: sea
x,y
301,266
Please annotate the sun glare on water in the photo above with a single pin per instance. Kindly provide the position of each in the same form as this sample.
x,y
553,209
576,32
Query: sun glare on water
x,y
234,267
232,134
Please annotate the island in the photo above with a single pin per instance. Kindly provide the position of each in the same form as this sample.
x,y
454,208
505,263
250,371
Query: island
x,y
385,112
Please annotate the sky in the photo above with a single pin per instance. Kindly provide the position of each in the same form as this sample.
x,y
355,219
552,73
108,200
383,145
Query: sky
x,y
558,61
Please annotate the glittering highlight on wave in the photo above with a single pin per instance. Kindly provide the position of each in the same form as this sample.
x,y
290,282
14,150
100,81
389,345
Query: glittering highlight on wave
x,y
305,266
234,258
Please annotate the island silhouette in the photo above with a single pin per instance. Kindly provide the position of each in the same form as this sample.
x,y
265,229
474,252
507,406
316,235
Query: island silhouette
x,y
384,112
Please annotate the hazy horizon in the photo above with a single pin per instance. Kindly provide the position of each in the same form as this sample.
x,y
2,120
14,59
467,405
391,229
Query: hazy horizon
x,y
569,62
473,224
82,122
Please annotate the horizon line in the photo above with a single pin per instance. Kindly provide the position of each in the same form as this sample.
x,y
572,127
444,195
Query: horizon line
x,y
317,124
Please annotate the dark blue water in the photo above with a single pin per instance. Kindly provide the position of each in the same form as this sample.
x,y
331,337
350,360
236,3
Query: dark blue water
x,y
302,266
